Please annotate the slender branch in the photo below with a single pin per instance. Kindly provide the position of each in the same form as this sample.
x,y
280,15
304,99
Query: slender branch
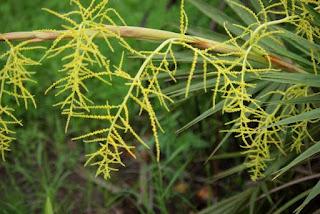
x,y
141,33
133,84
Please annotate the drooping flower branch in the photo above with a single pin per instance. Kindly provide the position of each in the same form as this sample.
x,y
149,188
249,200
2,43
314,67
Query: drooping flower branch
x,y
229,63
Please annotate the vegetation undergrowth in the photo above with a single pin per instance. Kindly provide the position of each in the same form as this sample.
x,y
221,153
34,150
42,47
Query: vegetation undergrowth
x,y
254,74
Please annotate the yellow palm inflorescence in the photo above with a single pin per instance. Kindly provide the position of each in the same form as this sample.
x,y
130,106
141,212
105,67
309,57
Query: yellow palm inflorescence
x,y
230,65
14,78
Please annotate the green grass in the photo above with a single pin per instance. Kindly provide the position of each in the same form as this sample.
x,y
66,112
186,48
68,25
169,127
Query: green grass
x,y
44,171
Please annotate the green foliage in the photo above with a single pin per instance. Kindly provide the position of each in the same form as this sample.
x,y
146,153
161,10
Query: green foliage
x,y
257,126
264,74
230,80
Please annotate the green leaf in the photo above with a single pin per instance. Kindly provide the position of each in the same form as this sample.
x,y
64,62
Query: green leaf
x,y
291,202
315,15
218,16
203,116
300,100
213,13
315,191
228,172
48,206
256,6
291,78
231,155
266,192
174,178
299,40
230,205
314,149
206,33
253,200
244,13
305,116
225,138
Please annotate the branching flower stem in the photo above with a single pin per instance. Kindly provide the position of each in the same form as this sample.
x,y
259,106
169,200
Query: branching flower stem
x,y
133,84
141,33
245,52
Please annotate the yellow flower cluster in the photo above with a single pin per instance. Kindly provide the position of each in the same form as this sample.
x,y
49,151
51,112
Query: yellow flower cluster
x,y
230,65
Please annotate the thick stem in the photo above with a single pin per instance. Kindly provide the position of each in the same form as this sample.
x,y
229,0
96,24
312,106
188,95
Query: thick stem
x,y
139,33
149,34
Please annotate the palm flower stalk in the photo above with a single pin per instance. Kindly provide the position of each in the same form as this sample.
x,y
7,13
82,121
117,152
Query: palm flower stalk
x,y
148,34
233,70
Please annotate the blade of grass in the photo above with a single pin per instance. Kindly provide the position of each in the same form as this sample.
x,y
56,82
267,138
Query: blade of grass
x,y
228,172
305,116
302,157
48,209
203,116
315,191
291,202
